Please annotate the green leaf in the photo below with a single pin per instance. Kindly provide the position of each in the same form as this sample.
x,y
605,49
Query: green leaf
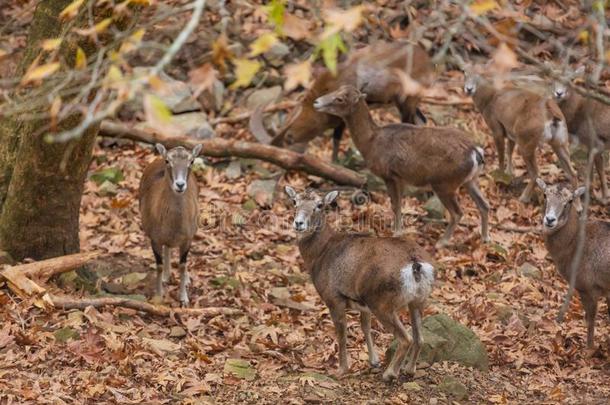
x,y
240,369
111,174
64,334
275,12
330,48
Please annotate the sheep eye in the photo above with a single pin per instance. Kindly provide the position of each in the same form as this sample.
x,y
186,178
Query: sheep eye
x,y
320,206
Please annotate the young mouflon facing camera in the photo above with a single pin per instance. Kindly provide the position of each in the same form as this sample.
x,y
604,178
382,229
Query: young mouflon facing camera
x,y
169,209
443,158
371,274
560,228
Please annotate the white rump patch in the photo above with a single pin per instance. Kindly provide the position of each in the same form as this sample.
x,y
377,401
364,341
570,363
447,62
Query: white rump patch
x,y
557,132
414,290
476,167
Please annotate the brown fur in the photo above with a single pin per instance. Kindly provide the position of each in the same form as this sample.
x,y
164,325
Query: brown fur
x,y
169,218
593,278
364,272
576,109
519,116
406,154
382,88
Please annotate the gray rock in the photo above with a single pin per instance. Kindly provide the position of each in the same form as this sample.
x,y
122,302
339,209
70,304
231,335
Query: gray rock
x,y
175,94
233,171
529,270
194,124
435,208
448,340
263,96
278,51
262,191
107,188
453,388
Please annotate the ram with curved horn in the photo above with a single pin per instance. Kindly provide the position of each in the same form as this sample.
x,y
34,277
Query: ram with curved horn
x,y
379,70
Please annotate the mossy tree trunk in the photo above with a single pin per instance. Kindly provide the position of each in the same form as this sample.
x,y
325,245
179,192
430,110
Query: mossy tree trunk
x,y
41,183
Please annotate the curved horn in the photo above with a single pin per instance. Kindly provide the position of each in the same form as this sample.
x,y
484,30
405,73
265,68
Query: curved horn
x,y
278,140
257,127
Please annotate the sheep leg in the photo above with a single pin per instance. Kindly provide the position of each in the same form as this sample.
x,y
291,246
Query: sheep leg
x,y
600,165
337,314
529,155
449,200
365,323
337,134
395,191
418,339
590,305
509,156
392,323
167,263
184,279
159,262
497,133
482,205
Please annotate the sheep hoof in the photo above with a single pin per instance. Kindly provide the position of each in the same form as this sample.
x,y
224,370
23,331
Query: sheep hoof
x,y
389,375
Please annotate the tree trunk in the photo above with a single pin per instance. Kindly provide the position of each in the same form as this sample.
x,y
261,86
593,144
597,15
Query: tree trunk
x,y
41,183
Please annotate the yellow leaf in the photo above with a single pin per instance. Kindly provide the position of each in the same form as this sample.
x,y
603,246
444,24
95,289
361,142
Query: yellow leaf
x,y
50,44
298,73
155,110
482,6
245,70
583,36
81,59
102,25
40,72
96,29
114,77
71,10
262,44
3,53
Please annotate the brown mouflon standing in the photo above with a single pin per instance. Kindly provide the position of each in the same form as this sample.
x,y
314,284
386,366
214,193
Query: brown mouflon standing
x,y
577,109
443,158
169,209
523,118
374,275
560,228
373,69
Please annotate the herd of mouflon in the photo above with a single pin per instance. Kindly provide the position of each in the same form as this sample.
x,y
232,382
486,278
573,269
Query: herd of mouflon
x,y
384,275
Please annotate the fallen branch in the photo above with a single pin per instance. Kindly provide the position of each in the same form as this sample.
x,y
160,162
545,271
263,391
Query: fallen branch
x,y
18,277
284,105
45,269
158,310
219,147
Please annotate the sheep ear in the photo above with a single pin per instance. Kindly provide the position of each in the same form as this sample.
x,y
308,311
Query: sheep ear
x,y
197,150
161,149
541,183
291,193
330,197
579,192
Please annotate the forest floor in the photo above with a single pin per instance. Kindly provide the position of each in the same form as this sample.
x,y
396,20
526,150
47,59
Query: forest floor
x,y
282,347
245,257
